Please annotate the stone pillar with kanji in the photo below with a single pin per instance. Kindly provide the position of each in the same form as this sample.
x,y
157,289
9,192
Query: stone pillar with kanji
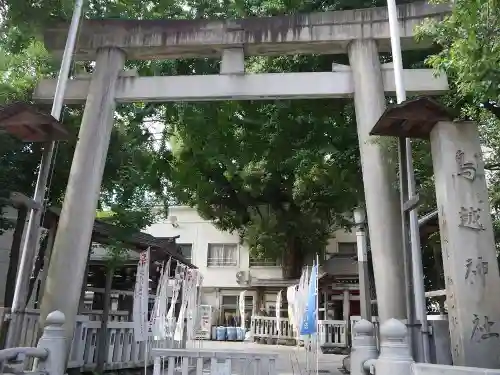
x,y
469,257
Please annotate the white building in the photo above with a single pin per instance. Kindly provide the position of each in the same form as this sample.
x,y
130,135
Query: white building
x,y
226,264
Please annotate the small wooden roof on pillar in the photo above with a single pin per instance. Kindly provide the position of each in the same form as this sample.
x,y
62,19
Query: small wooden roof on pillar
x,y
414,118
30,124
20,201
411,119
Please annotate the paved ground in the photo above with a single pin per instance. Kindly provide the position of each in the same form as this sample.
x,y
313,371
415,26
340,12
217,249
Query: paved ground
x,y
291,360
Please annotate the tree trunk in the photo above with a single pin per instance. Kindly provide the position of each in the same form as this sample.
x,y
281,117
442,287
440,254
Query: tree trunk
x,y
102,348
292,260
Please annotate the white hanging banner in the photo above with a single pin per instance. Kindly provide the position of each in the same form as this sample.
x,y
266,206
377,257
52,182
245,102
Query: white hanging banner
x,y
186,282
176,284
157,366
158,317
242,309
278,313
195,281
290,297
300,300
141,295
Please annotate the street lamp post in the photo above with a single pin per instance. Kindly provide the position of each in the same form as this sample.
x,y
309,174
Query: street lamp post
x,y
364,278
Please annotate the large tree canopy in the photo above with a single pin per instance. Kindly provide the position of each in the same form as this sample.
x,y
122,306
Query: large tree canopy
x,y
130,187
279,173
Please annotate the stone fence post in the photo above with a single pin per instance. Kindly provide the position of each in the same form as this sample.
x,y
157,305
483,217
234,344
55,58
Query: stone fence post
x,y
395,355
54,341
364,347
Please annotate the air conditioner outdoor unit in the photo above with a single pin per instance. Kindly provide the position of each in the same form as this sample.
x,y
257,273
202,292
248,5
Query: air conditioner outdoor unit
x,y
242,277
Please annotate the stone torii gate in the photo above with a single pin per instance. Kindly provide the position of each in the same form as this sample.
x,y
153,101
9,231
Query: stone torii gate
x,y
362,34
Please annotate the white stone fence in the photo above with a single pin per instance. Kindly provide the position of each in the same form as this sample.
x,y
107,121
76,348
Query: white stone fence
x,y
394,357
48,355
123,351
223,362
332,333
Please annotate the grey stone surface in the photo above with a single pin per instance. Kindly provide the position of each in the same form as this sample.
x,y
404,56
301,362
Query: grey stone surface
x,y
429,369
394,355
440,342
326,33
364,347
381,195
469,255
290,360
71,246
336,84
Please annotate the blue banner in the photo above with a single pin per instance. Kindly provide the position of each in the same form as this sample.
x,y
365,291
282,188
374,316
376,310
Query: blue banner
x,y
311,311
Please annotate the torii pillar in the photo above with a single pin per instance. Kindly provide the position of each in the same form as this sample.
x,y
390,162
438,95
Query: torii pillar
x,y
322,33
381,196
467,243
71,245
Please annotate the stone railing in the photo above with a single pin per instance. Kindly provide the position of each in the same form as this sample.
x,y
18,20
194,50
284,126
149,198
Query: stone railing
x,y
332,333
123,351
48,355
226,362
114,316
394,357
266,328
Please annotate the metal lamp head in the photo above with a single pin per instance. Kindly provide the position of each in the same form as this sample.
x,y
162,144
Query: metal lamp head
x,y
359,216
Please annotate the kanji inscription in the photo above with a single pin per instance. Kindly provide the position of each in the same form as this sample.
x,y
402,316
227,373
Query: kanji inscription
x,y
476,270
470,217
466,169
482,329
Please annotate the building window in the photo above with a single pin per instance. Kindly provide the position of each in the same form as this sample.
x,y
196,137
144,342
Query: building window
x,y
230,309
257,261
186,250
347,247
222,255
271,309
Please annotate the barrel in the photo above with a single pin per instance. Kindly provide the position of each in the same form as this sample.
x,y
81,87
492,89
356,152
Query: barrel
x,y
232,334
221,333
240,334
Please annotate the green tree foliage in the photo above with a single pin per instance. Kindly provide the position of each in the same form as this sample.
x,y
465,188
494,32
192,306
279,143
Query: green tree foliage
x,y
469,52
281,174
130,187
278,173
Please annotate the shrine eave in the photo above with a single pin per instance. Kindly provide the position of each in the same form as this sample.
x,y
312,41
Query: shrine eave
x,y
31,124
411,119
105,233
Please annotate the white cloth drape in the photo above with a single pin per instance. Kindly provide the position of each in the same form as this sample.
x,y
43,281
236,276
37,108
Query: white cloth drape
x,y
141,296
